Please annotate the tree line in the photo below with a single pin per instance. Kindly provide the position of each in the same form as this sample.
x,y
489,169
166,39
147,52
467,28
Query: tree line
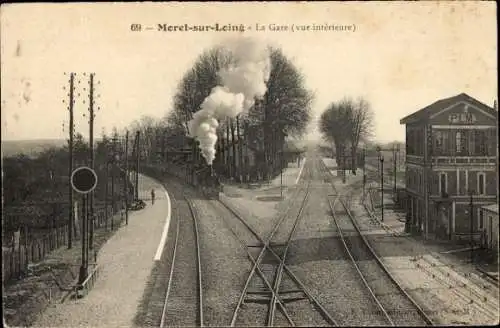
x,y
283,111
36,189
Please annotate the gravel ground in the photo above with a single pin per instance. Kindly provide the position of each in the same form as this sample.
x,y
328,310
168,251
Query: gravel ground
x,y
318,259
255,312
398,307
183,300
438,288
224,263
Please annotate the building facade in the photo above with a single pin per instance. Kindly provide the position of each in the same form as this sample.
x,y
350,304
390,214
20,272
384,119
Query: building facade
x,y
451,166
488,221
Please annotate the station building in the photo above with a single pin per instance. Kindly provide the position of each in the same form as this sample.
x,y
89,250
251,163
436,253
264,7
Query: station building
x,y
451,167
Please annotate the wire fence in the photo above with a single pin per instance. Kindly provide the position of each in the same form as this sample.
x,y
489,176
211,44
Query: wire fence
x,y
27,248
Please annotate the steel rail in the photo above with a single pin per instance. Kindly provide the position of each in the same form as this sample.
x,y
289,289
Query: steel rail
x,y
198,265
174,253
198,259
258,261
279,273
384,268
378,260
311,297
351,257
259,271
490,311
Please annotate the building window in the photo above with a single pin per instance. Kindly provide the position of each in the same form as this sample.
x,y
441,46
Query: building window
x,y
443,184
458,141
480,143
461,142
481,219
481,183
438,143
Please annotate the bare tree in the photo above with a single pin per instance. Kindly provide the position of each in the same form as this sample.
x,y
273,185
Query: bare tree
x,y
284,109
361,125
345,124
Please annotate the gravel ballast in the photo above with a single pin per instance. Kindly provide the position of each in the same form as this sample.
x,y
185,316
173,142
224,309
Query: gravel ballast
x,y
443,293
224,263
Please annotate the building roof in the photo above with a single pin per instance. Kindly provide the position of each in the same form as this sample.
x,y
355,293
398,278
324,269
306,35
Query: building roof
x,y
435,107
492,208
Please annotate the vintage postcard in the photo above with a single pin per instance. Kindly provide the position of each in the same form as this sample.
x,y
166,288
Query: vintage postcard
x,y
249,164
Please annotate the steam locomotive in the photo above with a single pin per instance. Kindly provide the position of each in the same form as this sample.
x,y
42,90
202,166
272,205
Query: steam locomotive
x,y
209,182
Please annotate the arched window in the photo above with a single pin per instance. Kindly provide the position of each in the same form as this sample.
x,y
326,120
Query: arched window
x,y
481,183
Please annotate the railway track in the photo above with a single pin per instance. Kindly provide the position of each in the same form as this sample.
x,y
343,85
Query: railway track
x,y
271,282
395,305
183,302
464,286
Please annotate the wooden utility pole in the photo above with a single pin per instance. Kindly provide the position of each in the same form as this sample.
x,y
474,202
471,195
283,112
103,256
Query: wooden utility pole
x,y
70,164
233,146
113,171
364,170
106,200
240,149
394,154
91,164
228,153
137,138
84,265
382,186
126,178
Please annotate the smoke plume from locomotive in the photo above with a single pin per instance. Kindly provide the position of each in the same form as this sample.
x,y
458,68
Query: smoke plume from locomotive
x,y
242,82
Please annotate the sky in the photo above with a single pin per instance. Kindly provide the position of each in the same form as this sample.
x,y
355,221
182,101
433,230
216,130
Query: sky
x,y
400,56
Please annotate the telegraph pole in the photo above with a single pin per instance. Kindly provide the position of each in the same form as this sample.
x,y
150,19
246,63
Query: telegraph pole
x,y
282,164
233,148
106,203
113,166
240,149
382,185
91,150
228,153
126,178
395,168
138,135
245,132
364,173
343,164
84,266
70,166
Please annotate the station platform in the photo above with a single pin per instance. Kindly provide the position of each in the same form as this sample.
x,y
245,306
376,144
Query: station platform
x,y
125,263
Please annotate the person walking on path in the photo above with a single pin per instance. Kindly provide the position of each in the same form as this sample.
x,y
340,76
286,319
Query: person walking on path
x,y
152,196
